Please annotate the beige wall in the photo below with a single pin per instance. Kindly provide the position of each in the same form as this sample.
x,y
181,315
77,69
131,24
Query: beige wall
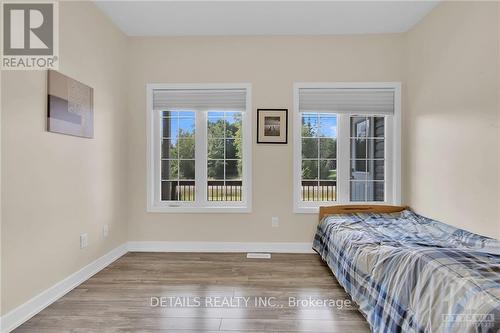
x,y
449,67
1,202
452,116
56,186
271,65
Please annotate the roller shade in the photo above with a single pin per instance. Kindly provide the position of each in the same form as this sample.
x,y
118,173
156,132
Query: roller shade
x,y
200,99
361,101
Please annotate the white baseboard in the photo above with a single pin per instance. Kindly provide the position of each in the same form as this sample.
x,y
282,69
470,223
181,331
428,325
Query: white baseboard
x,y
166,246
22,313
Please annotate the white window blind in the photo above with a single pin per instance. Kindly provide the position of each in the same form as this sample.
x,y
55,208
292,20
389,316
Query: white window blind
x,y
199,99
338,100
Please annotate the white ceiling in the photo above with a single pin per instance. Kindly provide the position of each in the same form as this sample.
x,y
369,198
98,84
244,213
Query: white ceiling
x,y
188,18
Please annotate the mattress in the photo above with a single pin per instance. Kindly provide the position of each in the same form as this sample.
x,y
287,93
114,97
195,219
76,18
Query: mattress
x,y
408,273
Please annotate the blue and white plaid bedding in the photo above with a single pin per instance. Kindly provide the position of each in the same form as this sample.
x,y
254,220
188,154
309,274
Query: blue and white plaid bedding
x,y
409,273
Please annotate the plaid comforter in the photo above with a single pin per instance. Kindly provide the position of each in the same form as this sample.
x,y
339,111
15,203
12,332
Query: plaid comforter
x,y
409,273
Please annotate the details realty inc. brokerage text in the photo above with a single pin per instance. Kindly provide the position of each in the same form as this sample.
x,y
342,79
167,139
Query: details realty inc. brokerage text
x,y
248,301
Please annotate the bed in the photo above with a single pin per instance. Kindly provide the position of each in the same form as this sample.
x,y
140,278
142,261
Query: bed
x,y
408,273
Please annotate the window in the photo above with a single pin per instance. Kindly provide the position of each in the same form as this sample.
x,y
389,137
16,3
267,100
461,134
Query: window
x,y
225,162
367,159
319,157
346,144
177,156
199,148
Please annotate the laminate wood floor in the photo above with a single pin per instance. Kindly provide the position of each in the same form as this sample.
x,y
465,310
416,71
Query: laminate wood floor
x,y
120,297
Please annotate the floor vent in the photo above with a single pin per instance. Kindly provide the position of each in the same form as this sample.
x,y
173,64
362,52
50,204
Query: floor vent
x,y
258,255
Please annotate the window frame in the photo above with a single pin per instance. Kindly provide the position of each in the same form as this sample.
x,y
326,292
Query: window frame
x,y
392,149
201,204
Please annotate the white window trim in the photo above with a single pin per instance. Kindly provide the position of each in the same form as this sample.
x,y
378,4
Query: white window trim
x,y
393,128
154,205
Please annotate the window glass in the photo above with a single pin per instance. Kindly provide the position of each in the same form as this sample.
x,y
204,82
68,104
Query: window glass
x,y
224,156
319,157
178,156
367,145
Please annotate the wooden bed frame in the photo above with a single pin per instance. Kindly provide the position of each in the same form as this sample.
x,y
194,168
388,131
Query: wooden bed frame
x,y
346,209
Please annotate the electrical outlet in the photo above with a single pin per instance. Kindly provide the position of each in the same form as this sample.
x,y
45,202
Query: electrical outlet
x,y
84,241
275,222
105,231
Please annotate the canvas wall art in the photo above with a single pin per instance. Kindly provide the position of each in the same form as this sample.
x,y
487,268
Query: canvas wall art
x,y
70,106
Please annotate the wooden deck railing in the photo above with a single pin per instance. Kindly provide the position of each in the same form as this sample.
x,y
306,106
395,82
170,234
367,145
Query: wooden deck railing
x,y
324,191
232,190
216,190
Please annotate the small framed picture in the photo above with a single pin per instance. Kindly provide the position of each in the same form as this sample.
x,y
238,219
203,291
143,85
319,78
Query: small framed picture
x,y
272,126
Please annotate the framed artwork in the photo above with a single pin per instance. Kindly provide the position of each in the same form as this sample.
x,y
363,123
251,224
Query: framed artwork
x,y
70,108
272,126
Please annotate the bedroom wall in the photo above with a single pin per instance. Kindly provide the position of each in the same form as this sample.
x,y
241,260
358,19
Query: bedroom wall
x,y
272,65
54,186
452,116
1,158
